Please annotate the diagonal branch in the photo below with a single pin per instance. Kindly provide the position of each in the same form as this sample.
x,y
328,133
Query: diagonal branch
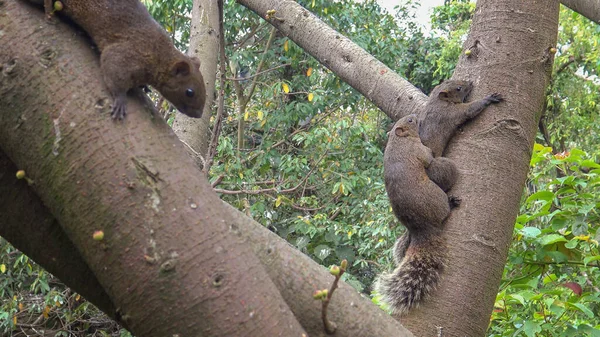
x,y
588,8
389,91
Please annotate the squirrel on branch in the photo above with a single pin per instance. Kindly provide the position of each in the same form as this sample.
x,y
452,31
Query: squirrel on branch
x,y
135,51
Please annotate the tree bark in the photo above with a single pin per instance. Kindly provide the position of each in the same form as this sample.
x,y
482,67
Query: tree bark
x,y
133,180
394,95
28,225
168,251
588,8
204,44
510,42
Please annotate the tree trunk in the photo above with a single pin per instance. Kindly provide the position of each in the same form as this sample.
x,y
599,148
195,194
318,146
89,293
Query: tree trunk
x,y
512,57
174,258
204,44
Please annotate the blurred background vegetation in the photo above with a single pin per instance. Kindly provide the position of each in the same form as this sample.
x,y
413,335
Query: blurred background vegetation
x,y
309,167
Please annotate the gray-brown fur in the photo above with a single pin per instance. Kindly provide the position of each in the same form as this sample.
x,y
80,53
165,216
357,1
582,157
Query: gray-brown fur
x,y
136,51
446,110
422,207
417,274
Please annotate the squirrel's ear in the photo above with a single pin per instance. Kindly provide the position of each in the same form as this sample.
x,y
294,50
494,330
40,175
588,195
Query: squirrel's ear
x,y
181,68
443,94
401,131
196,62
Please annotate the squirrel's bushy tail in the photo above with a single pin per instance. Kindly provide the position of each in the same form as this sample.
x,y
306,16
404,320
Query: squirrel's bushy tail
x,y
417,274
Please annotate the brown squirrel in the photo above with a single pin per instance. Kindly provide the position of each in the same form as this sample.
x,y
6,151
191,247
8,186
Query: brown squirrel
x,y
422,207
136,51
446,110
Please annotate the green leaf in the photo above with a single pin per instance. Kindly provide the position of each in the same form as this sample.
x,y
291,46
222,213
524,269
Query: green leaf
x,y
519,298
531,328
550,239
589,259
322,252
531,232
581,307
541,195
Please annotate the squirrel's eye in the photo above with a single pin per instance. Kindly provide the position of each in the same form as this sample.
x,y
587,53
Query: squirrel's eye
x,y
189,92
459,88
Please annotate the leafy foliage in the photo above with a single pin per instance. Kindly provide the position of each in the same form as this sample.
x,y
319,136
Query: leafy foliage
x,y
572,111
549,286
36,303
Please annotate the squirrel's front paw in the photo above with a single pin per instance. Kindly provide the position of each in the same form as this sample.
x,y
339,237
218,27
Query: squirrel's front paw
x,y
454,201
119,108
495,98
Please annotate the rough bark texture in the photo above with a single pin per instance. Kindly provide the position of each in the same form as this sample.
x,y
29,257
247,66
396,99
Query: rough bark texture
x,y
386,89
588,8
493,155
134,181
204,44
169,260
295,275
28,225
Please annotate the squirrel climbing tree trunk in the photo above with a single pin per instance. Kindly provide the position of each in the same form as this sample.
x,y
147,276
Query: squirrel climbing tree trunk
x,y
492,154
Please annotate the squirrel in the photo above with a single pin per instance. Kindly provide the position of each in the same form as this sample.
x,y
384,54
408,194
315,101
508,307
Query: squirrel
x,y
446,110
136,51
422,206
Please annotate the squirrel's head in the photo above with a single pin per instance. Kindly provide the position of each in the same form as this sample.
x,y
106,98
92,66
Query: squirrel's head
x,y
454,91
407,126
184,87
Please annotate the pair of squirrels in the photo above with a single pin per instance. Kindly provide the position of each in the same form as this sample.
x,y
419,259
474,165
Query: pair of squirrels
x,y
135,51
417,178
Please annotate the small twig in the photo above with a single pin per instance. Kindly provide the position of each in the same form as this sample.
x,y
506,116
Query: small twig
x,y
194,152
541,263
326,295
589,282
305,209
217,181
335,214
259,73
249,35
276,188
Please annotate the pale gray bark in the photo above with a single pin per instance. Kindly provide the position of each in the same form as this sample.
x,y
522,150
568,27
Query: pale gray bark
x,y
204,44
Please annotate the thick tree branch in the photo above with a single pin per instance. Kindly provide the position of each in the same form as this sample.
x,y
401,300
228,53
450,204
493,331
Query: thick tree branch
x,y
389,91
169,260
588,8
30,227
